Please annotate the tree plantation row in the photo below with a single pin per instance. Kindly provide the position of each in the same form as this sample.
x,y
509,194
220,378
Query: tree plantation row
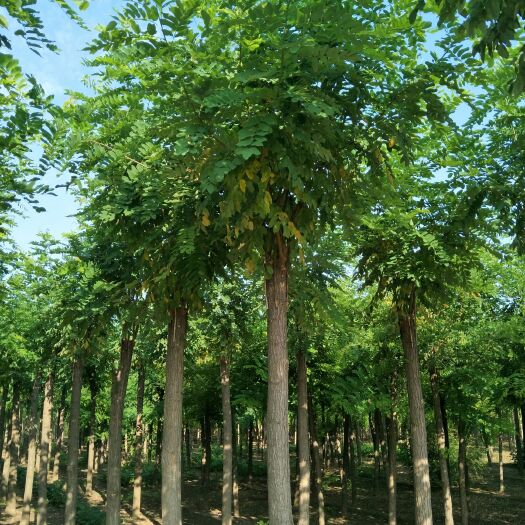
x,y
296,290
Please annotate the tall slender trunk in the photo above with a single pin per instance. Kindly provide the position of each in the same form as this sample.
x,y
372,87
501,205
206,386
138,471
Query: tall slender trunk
x,y
353,460
346,464
316,457
462,463
418,431
207,446
171,443
14,446
378,423
187,439
443,453
500,463
118,394
139,444
73,442
45,437
3,409
279,491
358,442
6,455
519,441
522,410
250,450
392,435
91,439
377,459
227,470
32,429
303,441
235,437
60,437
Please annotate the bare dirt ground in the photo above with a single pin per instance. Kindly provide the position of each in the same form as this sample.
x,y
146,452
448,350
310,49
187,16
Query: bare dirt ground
x,y
202,505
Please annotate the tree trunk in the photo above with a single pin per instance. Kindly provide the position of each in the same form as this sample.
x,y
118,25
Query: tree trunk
x,y
418,431
91,438
118,394
31,452
443,453
279,492
235,436
358,443
14,446
392,433
250,450
346,464
377,460
171,443
45,437
60,437
316,457
519,441
188,446
73,442
227,470
462,463
3,408
139,445
303,441
6,455
353,465
500,462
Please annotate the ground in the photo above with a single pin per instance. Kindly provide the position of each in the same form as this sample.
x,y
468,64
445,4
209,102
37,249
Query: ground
x,y
202,506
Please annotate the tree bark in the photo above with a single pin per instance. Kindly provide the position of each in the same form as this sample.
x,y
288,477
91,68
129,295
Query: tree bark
x,y
14,446
500,462
316,457
187,439
377,459
5,453
45,437
519,441
31,452
279,492
172,437
139,445
303,441
118,394
3,409
227,470
250,450
353,465
462,463
346,464
235,436
392,434
60,437
418,431
442,450
91,438
73,442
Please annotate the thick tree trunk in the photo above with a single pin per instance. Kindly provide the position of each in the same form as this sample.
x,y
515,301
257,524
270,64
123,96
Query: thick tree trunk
x,y
418,431
279,492
500,463
60,437
14,446
91,438
519,440
139,445
73,442
392,433
45,438
118,394
303,441
227,469
316,458
462,463
172,437
443,453
32,429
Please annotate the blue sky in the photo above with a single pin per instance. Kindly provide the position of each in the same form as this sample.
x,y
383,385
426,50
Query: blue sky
x,y
56,73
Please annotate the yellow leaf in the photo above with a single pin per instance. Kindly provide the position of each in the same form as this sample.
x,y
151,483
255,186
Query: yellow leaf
x,y
205,219
242,185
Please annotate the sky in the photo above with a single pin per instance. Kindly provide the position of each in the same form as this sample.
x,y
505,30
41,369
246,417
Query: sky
x,y
57,73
